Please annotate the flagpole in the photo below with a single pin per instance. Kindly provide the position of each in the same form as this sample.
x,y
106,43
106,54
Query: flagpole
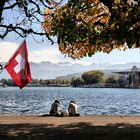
x,y
13,54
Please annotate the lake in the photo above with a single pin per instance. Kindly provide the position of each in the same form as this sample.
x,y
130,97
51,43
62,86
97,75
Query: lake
x,y
91,101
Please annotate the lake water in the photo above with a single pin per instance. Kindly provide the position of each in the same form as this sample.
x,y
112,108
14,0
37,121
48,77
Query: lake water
x,y
91,101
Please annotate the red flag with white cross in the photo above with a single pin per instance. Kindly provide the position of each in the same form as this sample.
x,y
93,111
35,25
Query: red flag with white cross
x,y
18,66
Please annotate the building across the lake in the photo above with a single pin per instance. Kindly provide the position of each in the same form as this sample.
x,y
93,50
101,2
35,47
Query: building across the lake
x,y
132,77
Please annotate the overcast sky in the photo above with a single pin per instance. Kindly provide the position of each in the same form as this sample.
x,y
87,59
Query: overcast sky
x,y
46,52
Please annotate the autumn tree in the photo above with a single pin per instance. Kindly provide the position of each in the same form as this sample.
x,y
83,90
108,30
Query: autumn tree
x,y
82,27
85,27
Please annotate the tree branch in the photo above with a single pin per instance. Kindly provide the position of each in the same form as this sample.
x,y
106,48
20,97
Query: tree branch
x,y
134,26
38,8
10,28
11,6
2,3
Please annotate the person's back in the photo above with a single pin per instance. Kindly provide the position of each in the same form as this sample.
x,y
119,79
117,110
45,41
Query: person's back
x,y
72,109
55,108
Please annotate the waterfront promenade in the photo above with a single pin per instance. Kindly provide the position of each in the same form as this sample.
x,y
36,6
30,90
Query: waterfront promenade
x,y
70,128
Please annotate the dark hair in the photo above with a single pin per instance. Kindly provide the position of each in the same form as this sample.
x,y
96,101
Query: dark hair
x,y
56,101
73,101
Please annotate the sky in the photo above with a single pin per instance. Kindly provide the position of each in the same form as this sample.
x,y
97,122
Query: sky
x,y
46,52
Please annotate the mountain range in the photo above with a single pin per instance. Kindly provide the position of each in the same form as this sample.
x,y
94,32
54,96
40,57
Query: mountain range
x,y
49,70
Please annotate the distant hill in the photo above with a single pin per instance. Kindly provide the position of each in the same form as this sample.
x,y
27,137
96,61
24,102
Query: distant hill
x,y
69,76
78,75
49,70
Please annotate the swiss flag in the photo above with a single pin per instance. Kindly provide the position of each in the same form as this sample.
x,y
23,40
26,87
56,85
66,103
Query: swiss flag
x,y
18,66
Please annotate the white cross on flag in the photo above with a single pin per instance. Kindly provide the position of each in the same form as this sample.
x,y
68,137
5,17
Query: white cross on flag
x,y
18,66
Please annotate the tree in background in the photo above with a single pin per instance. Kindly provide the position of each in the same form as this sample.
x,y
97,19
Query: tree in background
x,y
93,77
122,81
8,82
77,82
85,27
112,79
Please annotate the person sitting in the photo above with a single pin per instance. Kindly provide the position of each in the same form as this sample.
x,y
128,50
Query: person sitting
x,y
72,109
55,109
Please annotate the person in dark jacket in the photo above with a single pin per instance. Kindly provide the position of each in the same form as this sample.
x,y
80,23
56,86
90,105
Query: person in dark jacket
x,y
55,108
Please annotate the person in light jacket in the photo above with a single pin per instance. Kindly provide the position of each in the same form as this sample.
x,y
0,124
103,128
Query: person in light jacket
x,y
72,109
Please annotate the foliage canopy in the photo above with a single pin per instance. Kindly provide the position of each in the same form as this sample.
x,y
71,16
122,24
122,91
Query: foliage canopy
x,y
85,27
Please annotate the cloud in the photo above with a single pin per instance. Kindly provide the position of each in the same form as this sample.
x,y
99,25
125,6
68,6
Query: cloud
x,y
7,49
47,54
43,53
52,53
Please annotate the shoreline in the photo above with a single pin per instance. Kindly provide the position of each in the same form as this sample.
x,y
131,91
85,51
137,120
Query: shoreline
x,y
97,127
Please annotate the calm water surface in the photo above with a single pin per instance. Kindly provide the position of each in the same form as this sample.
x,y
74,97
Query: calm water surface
x,y
91,101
